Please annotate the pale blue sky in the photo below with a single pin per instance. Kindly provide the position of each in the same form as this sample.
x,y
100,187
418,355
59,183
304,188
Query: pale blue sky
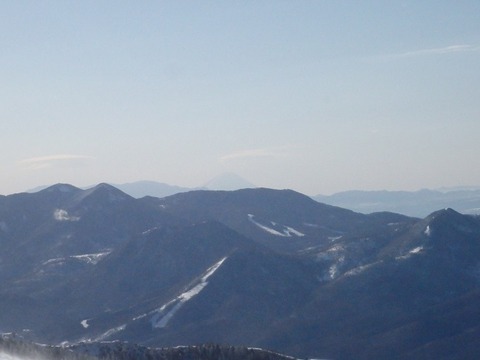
x,y
317,96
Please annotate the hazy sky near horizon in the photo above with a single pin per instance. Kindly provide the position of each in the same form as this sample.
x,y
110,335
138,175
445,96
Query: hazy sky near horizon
x,y
317,96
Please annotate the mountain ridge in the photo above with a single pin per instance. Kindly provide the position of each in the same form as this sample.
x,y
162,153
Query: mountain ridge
x,y
260,267
412,203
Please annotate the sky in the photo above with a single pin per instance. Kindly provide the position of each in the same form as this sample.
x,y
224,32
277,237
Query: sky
x,y
316,96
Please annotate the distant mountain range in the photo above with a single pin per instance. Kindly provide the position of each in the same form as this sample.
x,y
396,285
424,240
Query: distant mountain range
x,y
412,203
226,181
261,268
142,188
465,200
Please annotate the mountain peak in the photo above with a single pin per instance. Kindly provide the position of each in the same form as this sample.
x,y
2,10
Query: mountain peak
x,y
105,192
447,215
451,228
105,186
139,189
228,181
61,188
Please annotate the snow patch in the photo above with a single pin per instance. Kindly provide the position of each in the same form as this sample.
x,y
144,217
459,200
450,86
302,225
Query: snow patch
x,y
165,313
291,231
56,261
62,215
360,269
91,258
416,250
139,317
273,353
333,270
146,232
287,231
333,253
428,231
4,356
336,248
263,227
110,332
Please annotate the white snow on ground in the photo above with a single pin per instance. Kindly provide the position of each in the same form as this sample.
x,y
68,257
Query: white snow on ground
x,y
146,232
286,232
91,258
360,269
110,332
62,215
4,356
332,253
271,352
333,270
336,255
336,248
167,311
56,261
428,231
414,251
266,228
289,230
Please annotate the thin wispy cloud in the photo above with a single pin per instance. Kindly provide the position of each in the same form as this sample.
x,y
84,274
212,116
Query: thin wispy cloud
x,y
43,162
451,49
439,51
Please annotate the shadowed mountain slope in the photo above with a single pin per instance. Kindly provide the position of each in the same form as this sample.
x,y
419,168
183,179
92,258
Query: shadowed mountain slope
x,y
256,267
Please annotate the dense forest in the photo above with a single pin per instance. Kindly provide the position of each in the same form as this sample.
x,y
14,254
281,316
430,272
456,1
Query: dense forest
x,y
16,346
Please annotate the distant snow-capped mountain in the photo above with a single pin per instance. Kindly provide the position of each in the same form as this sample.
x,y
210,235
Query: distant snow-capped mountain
x,y
228,181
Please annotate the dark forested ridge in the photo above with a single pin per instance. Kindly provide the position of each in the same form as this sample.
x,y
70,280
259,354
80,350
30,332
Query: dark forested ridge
x,y
23,350
262,268
16,347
